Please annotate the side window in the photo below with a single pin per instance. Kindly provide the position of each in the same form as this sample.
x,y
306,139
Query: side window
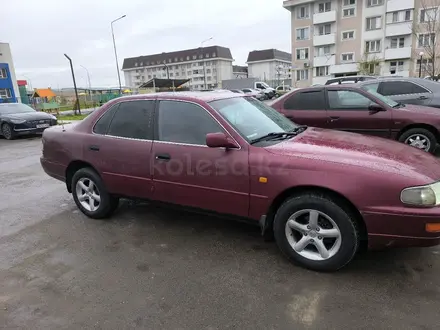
x,y
133,120
347,100
101,126
371,87
419,89
312,100
184,122
259,86
396,88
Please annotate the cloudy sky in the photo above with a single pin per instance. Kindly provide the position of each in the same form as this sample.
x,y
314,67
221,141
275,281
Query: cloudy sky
x,y
40,32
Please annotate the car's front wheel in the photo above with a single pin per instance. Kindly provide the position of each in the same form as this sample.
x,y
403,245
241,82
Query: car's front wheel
x,y
91,196
314,231
7,131
420,138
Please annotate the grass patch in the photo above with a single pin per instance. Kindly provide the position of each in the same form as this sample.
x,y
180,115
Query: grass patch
x,y
72,117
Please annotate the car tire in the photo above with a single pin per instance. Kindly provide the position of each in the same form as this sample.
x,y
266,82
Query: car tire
x,y
310,247
415,137
91,196
7,131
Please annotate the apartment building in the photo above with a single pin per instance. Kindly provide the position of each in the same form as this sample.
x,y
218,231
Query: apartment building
x,y
8,83
239,72
213,63
332,38
269,64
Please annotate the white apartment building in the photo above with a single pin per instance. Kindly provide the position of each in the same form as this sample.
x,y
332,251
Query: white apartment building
x,y
269,65
332,38
213,63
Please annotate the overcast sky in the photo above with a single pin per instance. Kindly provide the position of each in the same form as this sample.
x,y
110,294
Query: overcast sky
x,y
40,32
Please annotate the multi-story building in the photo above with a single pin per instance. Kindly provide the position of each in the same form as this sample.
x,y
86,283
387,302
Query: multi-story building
x,y
332,38
8,83
213,63
269,65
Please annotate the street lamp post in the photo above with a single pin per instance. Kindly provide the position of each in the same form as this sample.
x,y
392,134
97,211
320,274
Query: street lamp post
x,y
74,84
420,67
201,51
88,80
116,54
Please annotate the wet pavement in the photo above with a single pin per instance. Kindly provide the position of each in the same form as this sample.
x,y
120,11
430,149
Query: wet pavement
x,y
151,268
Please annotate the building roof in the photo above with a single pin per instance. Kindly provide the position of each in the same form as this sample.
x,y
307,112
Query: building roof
x,y
239,68
177,57
44,92
268,54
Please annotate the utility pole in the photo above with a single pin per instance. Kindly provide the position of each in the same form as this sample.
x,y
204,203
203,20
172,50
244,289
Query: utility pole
x,y
167,68
420,67
88,79
116,54
74,85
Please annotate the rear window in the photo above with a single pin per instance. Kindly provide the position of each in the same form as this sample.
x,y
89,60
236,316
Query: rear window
x,y
389,88
308,100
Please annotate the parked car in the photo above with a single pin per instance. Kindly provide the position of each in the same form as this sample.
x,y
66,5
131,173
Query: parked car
x,y
281,90
20,119
232,155
407,90
258,94
355,109
348,80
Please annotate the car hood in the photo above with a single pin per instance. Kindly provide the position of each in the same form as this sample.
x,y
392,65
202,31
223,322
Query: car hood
x,y
359,150
420,109
28,115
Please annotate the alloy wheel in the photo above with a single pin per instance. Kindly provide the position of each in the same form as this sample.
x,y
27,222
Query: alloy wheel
x,y
88,194
313,234
418,141
7,132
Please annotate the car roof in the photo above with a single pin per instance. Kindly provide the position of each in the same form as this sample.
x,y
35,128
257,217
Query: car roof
x,y
420,81
185,96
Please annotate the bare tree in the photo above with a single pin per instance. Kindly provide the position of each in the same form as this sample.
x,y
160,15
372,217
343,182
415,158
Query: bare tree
x,y
369,64
426,29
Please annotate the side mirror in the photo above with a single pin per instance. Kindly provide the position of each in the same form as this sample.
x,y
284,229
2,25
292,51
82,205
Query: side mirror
x,y
374,108
220,140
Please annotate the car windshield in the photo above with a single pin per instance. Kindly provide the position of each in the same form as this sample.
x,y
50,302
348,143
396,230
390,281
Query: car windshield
x,y
10,108
251,118
384,99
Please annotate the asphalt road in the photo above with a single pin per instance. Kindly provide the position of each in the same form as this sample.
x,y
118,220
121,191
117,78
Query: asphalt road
x,y
150,268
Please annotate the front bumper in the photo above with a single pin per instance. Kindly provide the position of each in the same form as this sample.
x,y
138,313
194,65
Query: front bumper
x,y
33,127
388,229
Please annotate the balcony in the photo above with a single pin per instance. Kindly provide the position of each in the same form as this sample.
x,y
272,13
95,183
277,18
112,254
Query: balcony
x,y
326,39
398,29
325,17
324,60
395,5
397,53
344,68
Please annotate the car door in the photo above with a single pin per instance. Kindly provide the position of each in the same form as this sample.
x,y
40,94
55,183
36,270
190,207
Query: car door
x,y
306,107
348,110
405,92
120,148
189,173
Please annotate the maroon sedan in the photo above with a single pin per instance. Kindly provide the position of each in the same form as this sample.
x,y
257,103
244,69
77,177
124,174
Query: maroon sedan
x,y
321,193
351,108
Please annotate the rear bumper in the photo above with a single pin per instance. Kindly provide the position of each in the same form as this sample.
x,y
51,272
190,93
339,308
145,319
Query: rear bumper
x,y
400,230
55,170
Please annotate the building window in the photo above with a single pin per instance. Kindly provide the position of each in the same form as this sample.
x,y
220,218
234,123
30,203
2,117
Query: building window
x,y
426,39
302,12
349,2
372,46
324,7
347,57
407,15
347,35
372,3
3,73
374,23
397,42
428,15
214,54
322,71
302,53
322,51
5,93
324,29
396,66
302,34
302,75
349,12
208,70
136,64
149,76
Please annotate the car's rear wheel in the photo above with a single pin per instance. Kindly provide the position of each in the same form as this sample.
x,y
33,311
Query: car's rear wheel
x,y
420,138
91,196
7,131
315,232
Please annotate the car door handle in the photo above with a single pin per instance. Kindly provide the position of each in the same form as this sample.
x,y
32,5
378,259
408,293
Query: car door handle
x,y
94,148
165,157
332,119
423,98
